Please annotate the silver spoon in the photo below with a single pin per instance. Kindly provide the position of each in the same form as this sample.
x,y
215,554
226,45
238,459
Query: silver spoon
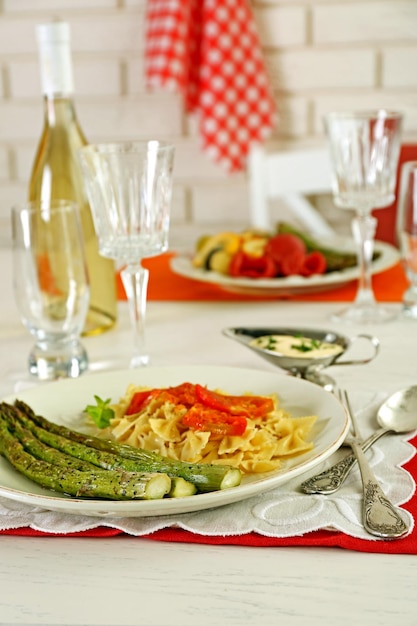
x,y
398,414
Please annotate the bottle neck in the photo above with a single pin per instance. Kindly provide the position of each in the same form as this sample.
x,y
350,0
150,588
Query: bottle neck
x,y
55,60
59,110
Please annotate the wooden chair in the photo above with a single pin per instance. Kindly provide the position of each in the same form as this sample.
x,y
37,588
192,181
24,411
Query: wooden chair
x,y
289,175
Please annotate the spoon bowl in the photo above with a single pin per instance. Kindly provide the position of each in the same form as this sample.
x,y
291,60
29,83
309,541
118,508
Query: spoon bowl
x,y
399,412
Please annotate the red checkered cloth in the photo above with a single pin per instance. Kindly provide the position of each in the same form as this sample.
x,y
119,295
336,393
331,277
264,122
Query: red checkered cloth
x,y
209,51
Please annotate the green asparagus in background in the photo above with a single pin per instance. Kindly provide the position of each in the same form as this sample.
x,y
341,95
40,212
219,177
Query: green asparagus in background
x,y
335,260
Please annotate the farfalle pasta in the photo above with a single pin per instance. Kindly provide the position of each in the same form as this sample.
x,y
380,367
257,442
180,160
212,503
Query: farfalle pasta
x,y
157,421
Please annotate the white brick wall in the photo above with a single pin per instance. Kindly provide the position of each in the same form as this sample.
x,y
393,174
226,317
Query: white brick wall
x,y
321,55
375,22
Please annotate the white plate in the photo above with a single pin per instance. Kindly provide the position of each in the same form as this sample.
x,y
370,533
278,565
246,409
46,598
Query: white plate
x,y
64,401
289,285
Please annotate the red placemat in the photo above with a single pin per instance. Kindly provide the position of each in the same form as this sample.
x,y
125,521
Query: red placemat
x,y
165,285
320,538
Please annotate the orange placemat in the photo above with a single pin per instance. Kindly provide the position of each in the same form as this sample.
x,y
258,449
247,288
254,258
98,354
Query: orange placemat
x,y
165,285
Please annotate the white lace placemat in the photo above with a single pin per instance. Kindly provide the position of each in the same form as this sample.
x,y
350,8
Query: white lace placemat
x,y
283,512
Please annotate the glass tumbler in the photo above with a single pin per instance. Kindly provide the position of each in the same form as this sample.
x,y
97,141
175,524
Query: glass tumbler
x,y
407,234
51,285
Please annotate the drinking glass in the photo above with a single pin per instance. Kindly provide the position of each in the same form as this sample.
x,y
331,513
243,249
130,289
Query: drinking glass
x,y
129,186
364,150
51,285
407,234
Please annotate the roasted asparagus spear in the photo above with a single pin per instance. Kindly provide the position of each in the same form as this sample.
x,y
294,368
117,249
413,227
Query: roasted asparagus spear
x,y
105,453
91,483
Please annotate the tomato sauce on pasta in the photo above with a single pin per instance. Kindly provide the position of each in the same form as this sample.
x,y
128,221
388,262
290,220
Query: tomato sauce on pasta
x,y
194,424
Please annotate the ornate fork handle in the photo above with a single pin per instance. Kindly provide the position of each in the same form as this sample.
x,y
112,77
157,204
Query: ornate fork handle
x,y
380,517
331,479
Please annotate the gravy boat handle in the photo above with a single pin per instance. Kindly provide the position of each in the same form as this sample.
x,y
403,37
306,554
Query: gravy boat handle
x,y
375,344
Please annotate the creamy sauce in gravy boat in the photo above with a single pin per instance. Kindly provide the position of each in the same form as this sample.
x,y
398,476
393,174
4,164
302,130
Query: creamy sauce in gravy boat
x,y
302,352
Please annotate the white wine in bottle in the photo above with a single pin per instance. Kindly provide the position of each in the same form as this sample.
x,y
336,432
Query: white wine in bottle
x,y
56,172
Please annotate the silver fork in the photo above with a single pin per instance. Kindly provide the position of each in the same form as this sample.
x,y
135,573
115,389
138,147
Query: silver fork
x,y
380,517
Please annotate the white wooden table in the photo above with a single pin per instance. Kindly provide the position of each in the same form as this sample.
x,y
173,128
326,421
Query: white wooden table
x,y
127,581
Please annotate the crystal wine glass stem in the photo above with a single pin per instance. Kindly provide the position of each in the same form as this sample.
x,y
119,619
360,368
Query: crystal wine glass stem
x,y
135,281
363,228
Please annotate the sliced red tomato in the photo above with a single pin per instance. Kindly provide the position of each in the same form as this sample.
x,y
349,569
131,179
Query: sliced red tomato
x,y
243,264
217,423
250,406
283,245
292,264
140,399
231,411
314,263
182,394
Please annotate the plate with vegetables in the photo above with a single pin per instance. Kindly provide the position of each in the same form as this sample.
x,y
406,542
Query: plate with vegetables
x,y
52,456
277,264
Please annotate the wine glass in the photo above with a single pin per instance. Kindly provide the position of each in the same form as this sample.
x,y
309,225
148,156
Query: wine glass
x,y
129,185
364,150
51,285
407,234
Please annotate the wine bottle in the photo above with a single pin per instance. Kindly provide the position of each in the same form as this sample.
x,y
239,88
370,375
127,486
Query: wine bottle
x,y
56,172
